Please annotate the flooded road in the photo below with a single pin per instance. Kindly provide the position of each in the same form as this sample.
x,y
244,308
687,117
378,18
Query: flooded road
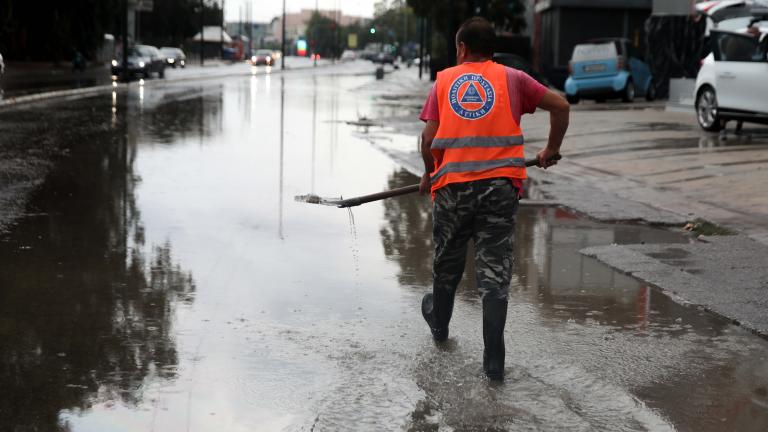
x,y
164,279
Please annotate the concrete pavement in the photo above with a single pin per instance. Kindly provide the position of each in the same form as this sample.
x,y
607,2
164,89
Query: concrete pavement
x,y
638,163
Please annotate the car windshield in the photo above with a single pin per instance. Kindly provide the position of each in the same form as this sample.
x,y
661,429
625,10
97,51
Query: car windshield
x,y
169,51
595,51
264,52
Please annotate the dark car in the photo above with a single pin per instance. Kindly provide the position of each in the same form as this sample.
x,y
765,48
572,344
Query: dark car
x,y
143,60
516,62
384,58
263,57
174,57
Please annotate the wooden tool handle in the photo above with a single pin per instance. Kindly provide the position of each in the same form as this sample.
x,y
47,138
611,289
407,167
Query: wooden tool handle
x,y
354,202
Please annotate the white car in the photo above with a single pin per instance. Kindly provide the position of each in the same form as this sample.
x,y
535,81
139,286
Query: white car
x,y
732,83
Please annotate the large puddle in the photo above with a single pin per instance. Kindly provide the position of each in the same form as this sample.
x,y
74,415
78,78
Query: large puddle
x,y
165,279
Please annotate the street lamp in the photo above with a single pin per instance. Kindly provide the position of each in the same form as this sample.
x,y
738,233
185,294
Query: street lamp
x,y
373,30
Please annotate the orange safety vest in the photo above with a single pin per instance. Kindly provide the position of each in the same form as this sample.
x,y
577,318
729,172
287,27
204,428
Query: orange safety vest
x,y
477,137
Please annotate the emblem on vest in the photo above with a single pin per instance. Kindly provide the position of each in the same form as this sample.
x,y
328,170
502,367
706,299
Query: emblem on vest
x,y
471,96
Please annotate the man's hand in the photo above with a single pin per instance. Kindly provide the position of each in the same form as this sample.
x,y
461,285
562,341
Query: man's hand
x,y
559,114
425,185
545,157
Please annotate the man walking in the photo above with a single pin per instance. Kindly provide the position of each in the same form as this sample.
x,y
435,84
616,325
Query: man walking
x,y
472,147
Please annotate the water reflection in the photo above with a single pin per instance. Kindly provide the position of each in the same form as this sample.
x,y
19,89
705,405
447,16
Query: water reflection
x,y
576,324
86,305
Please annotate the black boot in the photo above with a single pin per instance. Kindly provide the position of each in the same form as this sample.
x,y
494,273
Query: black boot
x,y
439,331
494,319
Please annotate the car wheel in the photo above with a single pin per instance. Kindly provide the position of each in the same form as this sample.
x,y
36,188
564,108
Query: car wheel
x,y
650,93
706,110
572,99
628,95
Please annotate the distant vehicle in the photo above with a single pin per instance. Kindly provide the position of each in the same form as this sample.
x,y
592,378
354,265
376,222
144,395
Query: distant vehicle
x,y
175,57
608,68
143,60
732,83
516,62
384,58
263,57
348,55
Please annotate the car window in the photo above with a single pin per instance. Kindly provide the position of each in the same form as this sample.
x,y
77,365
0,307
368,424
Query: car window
x,y
737,48
597,51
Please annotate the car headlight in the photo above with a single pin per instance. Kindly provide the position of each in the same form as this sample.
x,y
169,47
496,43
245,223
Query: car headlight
x,y
171,60
269,59
141,64
253,59
114,62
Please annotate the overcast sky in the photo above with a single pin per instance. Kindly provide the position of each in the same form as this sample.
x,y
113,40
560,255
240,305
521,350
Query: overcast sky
x,y
265,10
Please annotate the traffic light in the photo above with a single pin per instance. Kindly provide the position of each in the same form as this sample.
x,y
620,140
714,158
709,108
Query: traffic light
x,y
373,30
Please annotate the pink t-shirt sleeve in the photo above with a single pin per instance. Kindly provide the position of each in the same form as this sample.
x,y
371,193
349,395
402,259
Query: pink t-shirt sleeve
x,y
525,93
431,110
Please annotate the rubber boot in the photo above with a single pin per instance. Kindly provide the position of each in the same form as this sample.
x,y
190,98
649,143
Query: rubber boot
x,y
438,327
494,319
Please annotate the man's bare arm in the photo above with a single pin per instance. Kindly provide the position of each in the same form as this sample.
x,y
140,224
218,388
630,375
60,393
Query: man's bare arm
x,y
427,135
559,114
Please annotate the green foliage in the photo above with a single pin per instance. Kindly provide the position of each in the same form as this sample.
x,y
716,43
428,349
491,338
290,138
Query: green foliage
x,y
173,21
321,35
51,30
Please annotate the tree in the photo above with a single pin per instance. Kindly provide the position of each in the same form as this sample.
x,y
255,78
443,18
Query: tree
x,y
446,16
51,30
321,34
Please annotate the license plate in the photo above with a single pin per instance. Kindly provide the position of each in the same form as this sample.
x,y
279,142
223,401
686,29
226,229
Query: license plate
x,y
594,68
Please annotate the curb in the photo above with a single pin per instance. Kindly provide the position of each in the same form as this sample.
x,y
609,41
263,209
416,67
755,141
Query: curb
x,y
87,91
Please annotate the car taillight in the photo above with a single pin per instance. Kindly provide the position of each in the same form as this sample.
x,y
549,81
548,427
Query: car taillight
x,y
620,64
570,68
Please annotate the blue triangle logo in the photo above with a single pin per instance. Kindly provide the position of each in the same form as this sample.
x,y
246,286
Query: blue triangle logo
x,y
471,95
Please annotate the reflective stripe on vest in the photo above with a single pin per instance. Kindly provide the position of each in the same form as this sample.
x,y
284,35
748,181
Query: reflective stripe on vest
x,y
477,141
477,166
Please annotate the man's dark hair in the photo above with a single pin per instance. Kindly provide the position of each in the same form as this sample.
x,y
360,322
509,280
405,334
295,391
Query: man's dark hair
x,y
478,35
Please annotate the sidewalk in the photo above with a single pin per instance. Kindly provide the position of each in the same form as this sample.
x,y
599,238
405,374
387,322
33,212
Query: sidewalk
x,y
645,166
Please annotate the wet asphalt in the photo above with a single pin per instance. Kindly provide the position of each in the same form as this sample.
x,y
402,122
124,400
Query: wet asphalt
x,y
162,277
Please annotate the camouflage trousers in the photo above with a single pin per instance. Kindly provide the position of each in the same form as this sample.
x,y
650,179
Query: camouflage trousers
x,y
484,211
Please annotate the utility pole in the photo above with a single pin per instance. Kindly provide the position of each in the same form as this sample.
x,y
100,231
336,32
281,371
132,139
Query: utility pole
x,y
221,31
125,73
202,35
283,54
422,30
314,37
250,29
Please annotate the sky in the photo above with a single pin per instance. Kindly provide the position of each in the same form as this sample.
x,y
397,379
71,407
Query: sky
x,y
265,10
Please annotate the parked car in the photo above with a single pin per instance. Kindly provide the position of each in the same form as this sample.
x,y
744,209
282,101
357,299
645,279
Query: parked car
x,y
263,57
175,57
732,83
143,60
608,68
516,62
384,58
348,55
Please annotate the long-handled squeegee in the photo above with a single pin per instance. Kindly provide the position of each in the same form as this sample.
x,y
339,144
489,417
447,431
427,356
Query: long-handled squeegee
x,y
356,201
